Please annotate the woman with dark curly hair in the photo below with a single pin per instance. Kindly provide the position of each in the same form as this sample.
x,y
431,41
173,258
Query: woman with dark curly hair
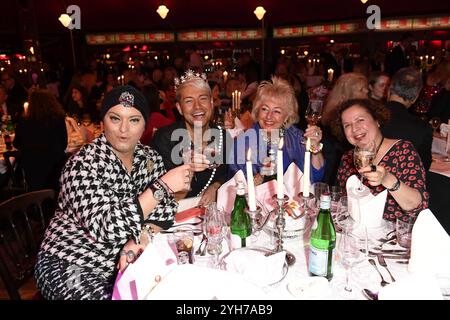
x,y
397,166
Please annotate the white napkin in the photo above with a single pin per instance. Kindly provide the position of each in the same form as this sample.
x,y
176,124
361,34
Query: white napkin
x,y
138,279
293,180
371,207
191,282
227,192
187,203
255,266
412,287
430,246
444,129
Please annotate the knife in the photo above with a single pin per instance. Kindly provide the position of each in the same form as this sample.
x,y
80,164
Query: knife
x,y
383,263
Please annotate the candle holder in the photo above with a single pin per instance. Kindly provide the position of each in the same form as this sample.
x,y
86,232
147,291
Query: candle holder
x,y
305,203
280,223
258,219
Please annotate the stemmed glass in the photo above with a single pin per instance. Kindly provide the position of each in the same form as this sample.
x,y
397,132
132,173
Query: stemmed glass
x,y
188,156
215,230
363,156
313,114
352,250
435,123
211,151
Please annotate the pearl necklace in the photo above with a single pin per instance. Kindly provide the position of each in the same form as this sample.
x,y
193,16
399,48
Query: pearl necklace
x,y
213,173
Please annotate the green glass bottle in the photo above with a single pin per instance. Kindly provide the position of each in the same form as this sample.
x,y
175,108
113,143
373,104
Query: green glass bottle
x,y
9,125
240,224
323,241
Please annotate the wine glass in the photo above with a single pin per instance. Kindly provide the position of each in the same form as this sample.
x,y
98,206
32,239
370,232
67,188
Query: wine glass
x,y
313,114
187,156
435,123
363,156
215,229
213,153
351,251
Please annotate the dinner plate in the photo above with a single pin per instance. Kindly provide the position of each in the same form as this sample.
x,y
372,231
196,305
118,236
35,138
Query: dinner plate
x,y
263,251
309,288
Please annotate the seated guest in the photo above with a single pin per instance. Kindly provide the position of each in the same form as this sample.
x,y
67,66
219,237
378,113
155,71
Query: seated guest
x,y
440,104
41,138
378,86
158,118
404,90
275,110
397,166
111,190
194,102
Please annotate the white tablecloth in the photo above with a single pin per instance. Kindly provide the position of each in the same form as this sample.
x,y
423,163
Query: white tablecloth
x,y
364,276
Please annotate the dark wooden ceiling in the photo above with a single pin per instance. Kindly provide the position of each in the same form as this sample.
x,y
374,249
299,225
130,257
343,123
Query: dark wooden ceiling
x,y
135,15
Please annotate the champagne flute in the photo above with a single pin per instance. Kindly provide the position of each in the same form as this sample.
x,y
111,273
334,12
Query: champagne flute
x,y
313,114
188,155
363,156
435,123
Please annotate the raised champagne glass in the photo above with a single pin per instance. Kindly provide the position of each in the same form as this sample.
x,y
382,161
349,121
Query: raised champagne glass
x,y
313,114
363,156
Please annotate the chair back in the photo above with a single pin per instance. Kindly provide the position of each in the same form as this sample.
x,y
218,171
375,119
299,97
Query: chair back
x,y
23,220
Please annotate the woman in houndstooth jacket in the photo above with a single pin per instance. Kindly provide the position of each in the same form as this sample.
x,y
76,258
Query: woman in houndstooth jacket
x,y
110,190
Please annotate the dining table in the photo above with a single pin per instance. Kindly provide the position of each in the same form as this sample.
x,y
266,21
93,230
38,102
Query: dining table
x,y
194,281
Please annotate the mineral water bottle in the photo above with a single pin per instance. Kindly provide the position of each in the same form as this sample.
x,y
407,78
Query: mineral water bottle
x,y
240,220
323,241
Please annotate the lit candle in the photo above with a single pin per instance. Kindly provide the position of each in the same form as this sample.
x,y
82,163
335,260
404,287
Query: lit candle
x,y
250,182
25,107
238,101
225,76
233,100
122,77
306,169
330,74
280,185
309,63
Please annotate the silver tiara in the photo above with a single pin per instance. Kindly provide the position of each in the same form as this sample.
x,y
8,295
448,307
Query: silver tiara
x,y
189,75
126,99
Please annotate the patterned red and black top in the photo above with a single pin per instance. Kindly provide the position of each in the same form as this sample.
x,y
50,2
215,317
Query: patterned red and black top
x,y
403,161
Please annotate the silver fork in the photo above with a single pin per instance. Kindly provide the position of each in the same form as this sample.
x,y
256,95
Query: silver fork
x,y
383,282
383,263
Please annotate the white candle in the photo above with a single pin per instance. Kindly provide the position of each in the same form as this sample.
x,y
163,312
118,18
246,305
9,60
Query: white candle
x,y
250,182
280,185
238,101
233,100
330,74
25,107
306,169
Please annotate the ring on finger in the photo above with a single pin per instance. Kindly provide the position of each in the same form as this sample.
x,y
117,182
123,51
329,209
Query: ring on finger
x,y
131,255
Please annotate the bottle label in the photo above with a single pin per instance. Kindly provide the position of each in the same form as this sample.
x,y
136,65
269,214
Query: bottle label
x,y
318,261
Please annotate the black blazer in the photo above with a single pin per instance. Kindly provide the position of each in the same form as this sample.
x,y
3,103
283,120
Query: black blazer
x,y
406,126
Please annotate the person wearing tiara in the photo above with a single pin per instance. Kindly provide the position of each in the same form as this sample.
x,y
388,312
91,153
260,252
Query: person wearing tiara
x,y
194,135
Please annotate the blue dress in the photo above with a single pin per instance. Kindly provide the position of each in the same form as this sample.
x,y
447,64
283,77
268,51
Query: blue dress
x,y
293,151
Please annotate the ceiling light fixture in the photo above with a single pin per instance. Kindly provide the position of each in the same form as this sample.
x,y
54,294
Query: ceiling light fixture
x,y
259,12
162,11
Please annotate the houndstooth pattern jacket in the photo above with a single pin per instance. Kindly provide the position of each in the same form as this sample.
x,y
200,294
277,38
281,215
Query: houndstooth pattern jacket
x,y
98,211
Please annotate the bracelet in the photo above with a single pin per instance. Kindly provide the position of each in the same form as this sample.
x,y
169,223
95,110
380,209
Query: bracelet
x,y
317,149
396,185
165,186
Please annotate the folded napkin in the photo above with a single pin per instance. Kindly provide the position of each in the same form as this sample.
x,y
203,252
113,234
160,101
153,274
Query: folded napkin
x,y
256,267
430,246
444,129
187,203
139,278
371,207
191,282
412,287
227,192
